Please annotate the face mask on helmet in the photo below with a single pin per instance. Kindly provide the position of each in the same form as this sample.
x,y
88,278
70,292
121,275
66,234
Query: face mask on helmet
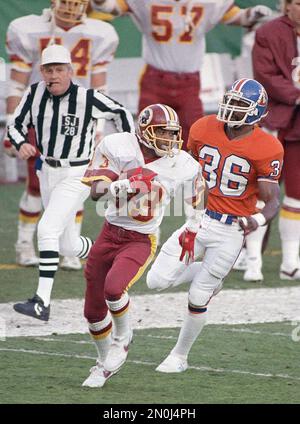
x,y
244,104
70,11
159,129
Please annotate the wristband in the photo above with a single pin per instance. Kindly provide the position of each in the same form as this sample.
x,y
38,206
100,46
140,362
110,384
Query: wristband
x,y
259,218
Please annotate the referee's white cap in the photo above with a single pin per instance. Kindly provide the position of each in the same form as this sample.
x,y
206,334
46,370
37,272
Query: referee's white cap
x,y
55,54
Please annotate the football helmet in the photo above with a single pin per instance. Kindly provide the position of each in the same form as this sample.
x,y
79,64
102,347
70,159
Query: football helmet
x,y
69,11
245,103
164,117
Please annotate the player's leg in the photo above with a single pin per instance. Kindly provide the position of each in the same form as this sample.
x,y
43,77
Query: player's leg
x,y
129,265
289,219
73,262
62,193
222,248
30,207
167,270
95,308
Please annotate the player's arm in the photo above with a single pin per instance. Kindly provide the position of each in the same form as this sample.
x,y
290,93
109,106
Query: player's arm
x,y
269,192
246,17
106,107
113,7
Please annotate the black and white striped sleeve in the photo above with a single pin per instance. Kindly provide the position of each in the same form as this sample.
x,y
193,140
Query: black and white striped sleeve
x,y
17,125
107,108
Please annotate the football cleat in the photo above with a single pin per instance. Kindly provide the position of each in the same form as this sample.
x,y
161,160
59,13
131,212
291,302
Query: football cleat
x,y
173,364
294,275
71,263
117,353
33,308
253,274
25,254
98,376
241,262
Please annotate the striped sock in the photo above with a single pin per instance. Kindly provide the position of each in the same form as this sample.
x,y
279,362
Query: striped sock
x,y
49,260
120,315
191,328
87,243
100,334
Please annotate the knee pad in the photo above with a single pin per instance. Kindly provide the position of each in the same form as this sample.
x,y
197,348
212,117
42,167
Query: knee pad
x,y
156,281
199,297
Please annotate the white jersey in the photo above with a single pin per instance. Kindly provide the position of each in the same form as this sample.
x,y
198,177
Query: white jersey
x,y
92,45
169,42
119,153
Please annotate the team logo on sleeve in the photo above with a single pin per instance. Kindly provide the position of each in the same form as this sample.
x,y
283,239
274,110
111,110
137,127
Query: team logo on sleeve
x,y
70,124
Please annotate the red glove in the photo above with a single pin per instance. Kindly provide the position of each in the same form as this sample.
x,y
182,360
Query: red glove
x,y
141,180
187,242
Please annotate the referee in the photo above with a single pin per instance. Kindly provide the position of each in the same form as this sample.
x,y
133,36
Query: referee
x,y
64,116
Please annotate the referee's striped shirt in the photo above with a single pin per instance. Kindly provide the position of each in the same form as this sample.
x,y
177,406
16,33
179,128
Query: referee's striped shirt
x,y
65,125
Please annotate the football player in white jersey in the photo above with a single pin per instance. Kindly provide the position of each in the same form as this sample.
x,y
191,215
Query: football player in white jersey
x,y
174,46
140,173
92,44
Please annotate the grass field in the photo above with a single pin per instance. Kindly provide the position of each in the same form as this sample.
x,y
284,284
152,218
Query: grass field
x,y
250,363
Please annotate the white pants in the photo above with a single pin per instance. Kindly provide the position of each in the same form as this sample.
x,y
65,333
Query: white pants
x,y
62,193
217,245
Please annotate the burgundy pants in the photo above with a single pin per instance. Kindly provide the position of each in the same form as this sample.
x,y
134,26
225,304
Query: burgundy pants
x,y
116,261
180,91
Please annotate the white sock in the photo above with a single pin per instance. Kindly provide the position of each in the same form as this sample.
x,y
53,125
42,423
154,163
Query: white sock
x,y
119,310
44,289
101,335
254,244
190,330
26,232
289,229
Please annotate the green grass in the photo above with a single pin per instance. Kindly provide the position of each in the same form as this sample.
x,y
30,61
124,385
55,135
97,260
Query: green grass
x,y
227,366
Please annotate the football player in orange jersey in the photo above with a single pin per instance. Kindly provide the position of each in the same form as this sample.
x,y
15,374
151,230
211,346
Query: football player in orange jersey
x,y
240,162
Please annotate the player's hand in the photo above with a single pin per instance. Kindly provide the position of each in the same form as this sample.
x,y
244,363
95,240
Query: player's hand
x,y
9,149
26,151
258,13
187,242
248,224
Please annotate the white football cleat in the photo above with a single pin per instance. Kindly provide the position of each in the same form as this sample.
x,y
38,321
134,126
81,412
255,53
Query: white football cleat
x,y
172,364
71,262
241,262
98,376
25,254
117,353
293,275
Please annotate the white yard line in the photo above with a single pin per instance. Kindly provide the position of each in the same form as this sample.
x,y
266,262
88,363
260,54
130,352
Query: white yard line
x,y
153,364
164,310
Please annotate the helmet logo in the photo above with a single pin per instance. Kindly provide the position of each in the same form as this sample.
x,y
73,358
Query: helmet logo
x,y
262,101
145,117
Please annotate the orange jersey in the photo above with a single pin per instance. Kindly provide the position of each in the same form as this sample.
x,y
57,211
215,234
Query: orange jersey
x,y
232,168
